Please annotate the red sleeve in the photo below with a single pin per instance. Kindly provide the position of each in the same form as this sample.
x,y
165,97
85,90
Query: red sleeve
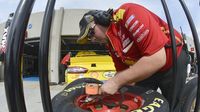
x,y
143,28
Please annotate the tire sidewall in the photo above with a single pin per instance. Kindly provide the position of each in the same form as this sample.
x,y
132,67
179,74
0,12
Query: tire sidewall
x,y
188,95
65,99
153,101
82,80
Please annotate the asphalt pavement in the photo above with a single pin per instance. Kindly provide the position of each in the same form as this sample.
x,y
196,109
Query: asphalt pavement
x,y
31,94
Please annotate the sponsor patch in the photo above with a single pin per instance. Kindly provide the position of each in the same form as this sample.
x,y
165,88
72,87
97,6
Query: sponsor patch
x,y
125,50
119,15
138,30
123,37
129,20
126,42
145,33
119,33
133,25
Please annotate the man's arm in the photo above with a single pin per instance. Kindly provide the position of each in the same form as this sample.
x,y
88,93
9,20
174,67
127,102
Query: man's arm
x,y
144,68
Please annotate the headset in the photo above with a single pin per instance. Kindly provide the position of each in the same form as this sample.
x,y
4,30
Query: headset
x,y
101,17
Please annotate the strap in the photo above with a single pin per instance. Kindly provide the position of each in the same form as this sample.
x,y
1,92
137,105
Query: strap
x,y
169,45
166,32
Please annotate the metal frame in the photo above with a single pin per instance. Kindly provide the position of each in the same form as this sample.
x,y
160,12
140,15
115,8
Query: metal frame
x,y
174,104
43,57
13,81
197,46
174,53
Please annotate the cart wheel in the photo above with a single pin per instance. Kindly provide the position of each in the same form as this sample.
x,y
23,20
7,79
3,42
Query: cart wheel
x,y
135,99
189,96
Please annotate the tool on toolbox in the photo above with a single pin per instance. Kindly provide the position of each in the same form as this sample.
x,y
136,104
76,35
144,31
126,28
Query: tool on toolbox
x,y
93,92
94,95
93,89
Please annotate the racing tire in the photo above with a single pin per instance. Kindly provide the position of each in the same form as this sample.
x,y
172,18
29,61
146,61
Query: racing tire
x,y
189,96
59,100
82,80
65,100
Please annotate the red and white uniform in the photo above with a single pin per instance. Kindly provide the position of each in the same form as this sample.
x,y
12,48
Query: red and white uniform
x,y
137,33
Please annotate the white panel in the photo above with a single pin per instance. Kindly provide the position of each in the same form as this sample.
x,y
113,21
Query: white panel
x,y
71,21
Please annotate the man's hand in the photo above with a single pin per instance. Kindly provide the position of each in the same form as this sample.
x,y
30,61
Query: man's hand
x,y
109,87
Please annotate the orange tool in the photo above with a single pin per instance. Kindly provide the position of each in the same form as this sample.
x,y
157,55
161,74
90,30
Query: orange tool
x,y
92,89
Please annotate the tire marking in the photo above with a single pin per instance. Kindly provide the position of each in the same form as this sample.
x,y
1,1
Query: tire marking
x,y
157,102
74,88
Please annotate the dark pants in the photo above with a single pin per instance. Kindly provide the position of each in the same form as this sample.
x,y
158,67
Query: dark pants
x,y
165,79
62,73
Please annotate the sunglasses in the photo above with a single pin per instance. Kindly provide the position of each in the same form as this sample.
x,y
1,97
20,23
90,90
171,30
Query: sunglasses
x,y
91,32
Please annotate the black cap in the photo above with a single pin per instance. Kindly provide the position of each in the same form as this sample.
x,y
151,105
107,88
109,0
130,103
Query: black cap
x,y
84,26
98,16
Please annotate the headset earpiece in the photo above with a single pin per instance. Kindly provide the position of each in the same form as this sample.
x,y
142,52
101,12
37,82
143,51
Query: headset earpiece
x,y
103,17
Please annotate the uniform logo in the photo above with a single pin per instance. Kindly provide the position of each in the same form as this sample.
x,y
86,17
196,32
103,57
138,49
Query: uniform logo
x,y
138,30
119,15
125,50
129,20
133,25
145,33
